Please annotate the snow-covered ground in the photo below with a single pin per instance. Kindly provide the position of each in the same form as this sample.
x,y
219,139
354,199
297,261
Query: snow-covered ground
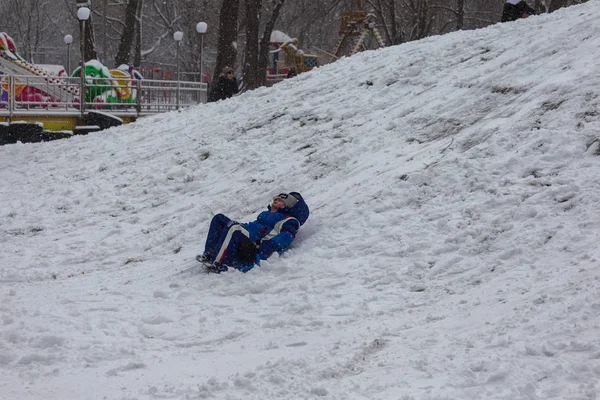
x,y
451,252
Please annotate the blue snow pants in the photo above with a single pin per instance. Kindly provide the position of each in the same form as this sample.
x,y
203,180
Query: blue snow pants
x,y
228,244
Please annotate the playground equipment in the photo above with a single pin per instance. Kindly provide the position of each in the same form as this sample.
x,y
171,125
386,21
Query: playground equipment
x,y
102,85
295,61
11,63
357,33
40,104
108,86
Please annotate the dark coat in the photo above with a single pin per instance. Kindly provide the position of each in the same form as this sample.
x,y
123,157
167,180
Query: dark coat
x,y
223,89
513,12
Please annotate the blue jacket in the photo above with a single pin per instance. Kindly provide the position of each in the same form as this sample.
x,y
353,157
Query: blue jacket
x,y
276,230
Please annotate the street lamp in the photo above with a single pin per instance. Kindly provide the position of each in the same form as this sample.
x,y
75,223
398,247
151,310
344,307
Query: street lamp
x,y
68,40
201,28
83,14
178,36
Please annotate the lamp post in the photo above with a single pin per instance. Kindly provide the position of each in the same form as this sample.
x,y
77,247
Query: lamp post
x,y
201,28
68,41
178,36
83,14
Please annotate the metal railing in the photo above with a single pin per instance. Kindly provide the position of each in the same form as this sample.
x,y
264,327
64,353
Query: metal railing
x,y
43,95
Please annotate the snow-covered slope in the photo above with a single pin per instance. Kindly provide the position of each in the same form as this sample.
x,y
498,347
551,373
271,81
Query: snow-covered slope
x,y
451,253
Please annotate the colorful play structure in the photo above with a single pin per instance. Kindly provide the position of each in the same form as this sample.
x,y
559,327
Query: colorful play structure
x,y
358,32
34,99
11,63
294,60
104,86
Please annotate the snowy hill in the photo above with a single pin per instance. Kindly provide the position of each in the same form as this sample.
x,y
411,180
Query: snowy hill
x,y
451,252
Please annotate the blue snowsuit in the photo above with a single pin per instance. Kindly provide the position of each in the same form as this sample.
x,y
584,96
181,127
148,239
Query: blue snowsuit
x,y
242,245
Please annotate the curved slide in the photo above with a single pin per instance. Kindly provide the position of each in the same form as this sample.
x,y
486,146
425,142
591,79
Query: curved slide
x,y
11,63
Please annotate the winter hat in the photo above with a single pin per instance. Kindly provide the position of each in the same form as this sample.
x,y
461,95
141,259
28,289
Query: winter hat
x,y
227,70
513,2
289,199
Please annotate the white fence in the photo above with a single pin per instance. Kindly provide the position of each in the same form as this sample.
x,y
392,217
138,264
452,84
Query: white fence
x,y
45,95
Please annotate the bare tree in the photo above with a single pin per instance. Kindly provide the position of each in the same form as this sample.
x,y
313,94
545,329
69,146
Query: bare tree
x,y
419,19
314,24
192,12
228,32
164,23
460,14
251,49
35,27
406,20
256,53
386,12
137,55
89,46
454,18
263,55
556,4
129,32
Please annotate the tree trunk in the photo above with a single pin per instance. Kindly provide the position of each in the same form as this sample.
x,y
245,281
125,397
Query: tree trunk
x,y
89,47
395,39
556,4
251,51
228,31
137,55
386,13
128,34
460,15
423,19
263,56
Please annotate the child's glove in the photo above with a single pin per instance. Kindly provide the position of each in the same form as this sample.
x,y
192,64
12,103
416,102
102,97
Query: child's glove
x,y
266,249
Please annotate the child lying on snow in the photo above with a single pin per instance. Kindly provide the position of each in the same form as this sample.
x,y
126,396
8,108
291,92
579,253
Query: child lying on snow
x,y
242,245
